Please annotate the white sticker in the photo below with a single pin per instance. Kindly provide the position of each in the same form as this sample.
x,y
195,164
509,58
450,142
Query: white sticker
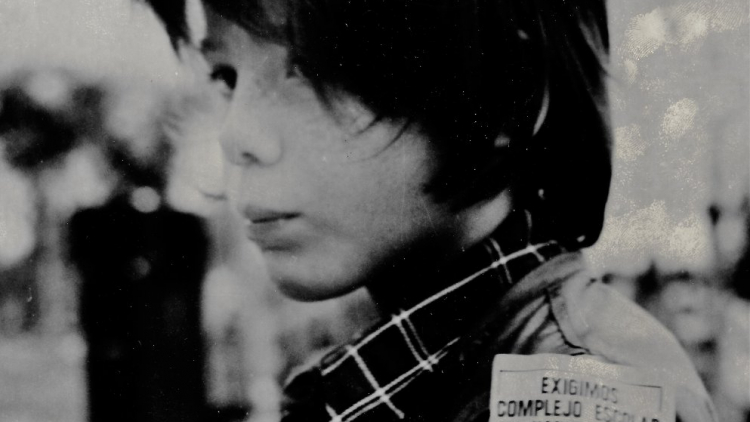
x,y
558,388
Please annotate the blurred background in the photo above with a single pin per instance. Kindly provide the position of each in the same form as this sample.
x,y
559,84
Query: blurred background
x,y
92,101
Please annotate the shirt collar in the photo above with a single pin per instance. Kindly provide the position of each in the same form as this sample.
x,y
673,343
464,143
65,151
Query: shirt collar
x,y
370,377
513,236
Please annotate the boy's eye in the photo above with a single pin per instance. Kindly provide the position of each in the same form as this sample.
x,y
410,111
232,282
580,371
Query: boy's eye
x,y
224,75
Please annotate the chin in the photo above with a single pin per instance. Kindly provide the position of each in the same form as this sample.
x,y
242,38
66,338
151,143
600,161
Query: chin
x,y
310,281
301,292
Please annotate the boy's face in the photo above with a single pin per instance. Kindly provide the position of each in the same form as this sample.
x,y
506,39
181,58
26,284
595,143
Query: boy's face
x,y
328,198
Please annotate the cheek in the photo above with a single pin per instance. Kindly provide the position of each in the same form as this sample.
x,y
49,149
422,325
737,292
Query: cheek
x,y
378,202
363,204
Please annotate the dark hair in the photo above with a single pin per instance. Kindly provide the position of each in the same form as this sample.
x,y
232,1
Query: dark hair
x,y
465,72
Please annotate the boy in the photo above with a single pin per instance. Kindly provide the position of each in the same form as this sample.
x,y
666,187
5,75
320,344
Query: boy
x,y
450,156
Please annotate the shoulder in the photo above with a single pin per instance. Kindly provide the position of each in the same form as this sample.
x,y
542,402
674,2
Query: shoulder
x,y
560,308
608,325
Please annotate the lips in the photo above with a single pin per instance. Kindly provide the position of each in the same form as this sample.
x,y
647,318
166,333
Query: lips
x,y
270,229
260,215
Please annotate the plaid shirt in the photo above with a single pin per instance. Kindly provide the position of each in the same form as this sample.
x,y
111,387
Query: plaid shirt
x,y
390,371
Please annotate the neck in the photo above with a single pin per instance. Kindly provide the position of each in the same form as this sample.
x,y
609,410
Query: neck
x,y
426,261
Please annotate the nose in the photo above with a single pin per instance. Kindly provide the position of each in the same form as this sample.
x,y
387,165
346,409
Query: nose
x,y
250,134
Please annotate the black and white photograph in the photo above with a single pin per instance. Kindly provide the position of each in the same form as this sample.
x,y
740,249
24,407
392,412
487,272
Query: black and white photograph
x,y
374,211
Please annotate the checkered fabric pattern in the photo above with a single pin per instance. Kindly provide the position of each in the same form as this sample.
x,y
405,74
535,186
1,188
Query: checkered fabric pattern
x,y
376,376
